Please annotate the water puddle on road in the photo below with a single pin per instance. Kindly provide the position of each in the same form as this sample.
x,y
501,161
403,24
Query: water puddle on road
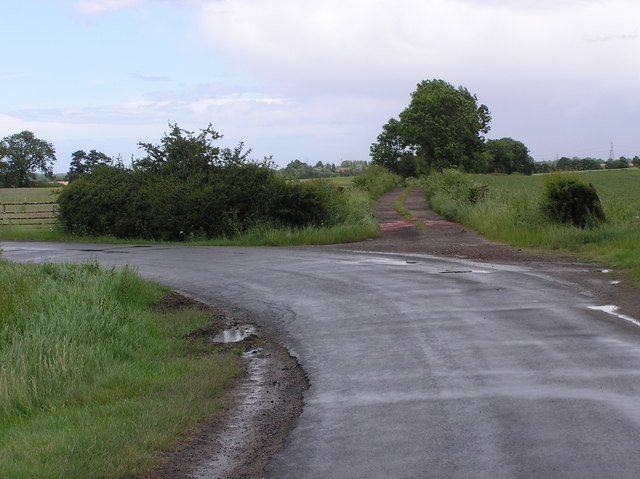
x,y
234,335
613,310
458,271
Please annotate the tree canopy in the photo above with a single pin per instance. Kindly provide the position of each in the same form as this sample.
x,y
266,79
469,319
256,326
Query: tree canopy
x,y
510,156
83,163
443,126
22,155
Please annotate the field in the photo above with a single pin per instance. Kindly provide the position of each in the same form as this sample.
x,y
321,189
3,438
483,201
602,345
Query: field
x,y
27,216
15,195
511,214
94,382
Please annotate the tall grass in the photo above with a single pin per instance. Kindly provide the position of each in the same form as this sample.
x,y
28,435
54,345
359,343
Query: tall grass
x,y
92,382
511,213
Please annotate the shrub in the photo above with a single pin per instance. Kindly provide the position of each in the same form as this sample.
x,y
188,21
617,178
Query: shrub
x,y
450,182
568,199
186,187
377,180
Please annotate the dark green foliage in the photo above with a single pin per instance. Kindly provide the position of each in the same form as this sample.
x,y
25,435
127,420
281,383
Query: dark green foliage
x,y
83,163
409,166
187,187
390,146
571,200
442,124
21,156
509,156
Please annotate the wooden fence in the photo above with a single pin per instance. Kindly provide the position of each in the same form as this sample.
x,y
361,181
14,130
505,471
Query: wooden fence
x,y
28,213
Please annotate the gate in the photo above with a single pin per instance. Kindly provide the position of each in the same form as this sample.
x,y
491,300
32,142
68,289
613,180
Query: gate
x,y
28,213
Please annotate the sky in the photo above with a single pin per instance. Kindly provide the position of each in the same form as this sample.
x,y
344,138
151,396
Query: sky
x,y
315,80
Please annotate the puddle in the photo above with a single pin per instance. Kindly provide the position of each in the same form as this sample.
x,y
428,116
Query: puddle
x,y
613,310
234,335
615,281
605,271
456,271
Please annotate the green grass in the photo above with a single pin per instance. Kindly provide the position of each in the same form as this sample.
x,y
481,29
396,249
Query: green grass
x,y
15,195
511,214
93,383
310,235
401,209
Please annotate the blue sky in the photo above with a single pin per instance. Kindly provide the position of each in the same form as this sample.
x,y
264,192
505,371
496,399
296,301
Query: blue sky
x,y
316,80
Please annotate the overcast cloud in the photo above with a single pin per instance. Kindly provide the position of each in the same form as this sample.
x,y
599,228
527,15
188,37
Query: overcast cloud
x,y
316,80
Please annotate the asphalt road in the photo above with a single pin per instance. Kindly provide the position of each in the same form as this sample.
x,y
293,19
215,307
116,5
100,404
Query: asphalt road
x,y
421,367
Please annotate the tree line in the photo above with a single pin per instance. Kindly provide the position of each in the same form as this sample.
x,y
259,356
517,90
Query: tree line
x,y
299,170
23,157
585,164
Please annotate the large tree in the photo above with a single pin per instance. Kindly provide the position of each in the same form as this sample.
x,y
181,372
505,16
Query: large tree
x,y
442,124
22,155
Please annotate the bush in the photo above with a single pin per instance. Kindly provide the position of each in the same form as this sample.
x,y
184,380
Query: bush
x,y
377,180
568,199
225,202
186,187
450,191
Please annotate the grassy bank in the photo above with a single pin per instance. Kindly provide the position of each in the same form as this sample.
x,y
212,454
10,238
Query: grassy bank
x,y
93,382
511,214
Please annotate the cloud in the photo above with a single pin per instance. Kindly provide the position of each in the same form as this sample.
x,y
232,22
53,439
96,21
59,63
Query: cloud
x,y
150,78
141,111
609,38
373,45
95,7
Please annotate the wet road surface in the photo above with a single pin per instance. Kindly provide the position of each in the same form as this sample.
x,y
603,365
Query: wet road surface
x,y
421,367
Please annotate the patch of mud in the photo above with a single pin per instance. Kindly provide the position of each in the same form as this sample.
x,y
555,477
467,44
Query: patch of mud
x,y
258,412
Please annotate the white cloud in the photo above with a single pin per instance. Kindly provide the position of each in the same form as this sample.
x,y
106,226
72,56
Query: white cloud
x,y
340,42
95,7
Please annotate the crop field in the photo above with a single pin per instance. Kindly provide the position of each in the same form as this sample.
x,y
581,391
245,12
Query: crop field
x,y
511,214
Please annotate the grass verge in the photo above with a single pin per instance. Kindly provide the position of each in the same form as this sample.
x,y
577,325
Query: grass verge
x,y
94,382
511,214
